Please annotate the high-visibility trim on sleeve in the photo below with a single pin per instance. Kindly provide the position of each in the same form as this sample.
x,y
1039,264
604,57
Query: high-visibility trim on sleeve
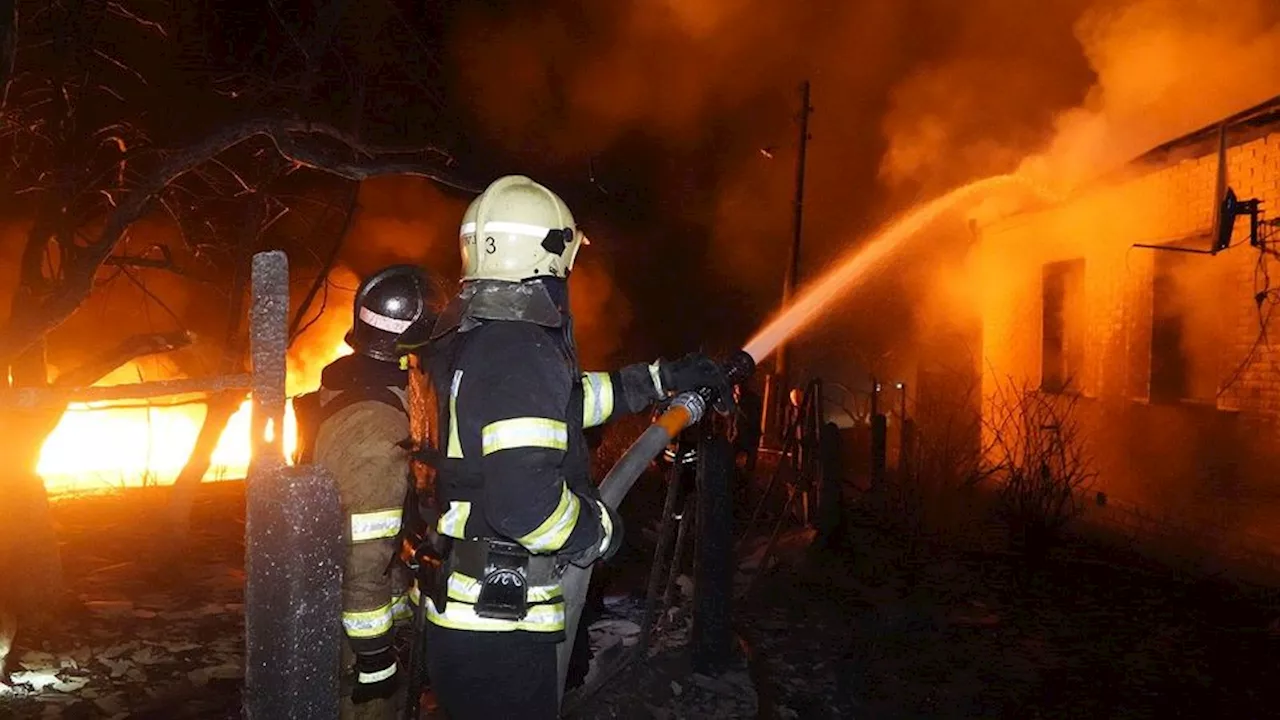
x,y
462,616
454,521
607,522
524,432
597,399
368,678
375,525
368,623
554,532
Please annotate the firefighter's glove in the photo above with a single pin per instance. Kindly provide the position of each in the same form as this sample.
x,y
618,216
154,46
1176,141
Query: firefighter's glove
x,y
377,676
426,455
694,371
610,537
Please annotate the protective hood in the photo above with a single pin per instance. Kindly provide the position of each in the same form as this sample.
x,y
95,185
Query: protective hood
x,y
480,300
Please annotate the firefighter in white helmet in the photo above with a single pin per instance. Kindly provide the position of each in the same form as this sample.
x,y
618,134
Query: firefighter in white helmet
x,y
512,480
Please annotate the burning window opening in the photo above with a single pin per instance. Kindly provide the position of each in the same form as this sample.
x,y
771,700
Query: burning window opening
x,y
97,447
1063,326
1186,329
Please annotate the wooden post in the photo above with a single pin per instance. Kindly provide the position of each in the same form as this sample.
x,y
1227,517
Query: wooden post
x,y
879,437
831,486
711,641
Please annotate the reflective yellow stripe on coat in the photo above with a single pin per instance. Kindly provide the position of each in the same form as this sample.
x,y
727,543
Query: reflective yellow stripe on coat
x,y
375,525
554,532
524,432
467,589
597,399
454,449
454,521
462,616
368,623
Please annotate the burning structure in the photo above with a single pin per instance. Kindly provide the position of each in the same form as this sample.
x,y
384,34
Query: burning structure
x,y
1124,298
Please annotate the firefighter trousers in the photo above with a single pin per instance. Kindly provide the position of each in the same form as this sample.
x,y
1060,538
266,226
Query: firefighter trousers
x,y
375,591
492,675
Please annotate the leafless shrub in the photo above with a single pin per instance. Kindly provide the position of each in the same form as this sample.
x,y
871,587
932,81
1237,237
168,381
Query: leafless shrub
x,y
941,462
1037,458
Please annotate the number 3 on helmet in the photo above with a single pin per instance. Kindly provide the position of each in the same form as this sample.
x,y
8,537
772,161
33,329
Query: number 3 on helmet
x,y
518,229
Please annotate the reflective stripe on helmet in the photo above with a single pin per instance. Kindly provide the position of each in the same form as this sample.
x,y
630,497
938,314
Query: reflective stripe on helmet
x,y
504,232
462,616
597,398
367,623
554,532
513,228
383,322
375,525
524,432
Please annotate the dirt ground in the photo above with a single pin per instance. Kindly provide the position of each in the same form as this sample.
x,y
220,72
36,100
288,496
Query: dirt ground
x,y
862,630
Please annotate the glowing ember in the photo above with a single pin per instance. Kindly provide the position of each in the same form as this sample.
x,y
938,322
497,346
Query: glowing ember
x,y
818,295
96,448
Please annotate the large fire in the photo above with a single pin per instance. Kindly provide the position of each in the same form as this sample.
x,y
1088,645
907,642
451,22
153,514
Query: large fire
x,y
96,447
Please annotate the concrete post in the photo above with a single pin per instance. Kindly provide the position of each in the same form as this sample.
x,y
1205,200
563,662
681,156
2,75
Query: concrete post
x,y
293,539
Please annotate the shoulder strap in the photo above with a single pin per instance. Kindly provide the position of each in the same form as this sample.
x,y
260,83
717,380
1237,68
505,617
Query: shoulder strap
x,y
310,414
306,408
347,398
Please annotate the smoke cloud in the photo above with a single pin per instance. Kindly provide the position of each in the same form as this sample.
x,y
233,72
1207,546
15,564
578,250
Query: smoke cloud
x,y
1165,67
1161,68
911,99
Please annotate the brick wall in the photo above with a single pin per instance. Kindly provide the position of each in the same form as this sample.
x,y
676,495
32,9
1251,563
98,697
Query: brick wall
x,y
1211,461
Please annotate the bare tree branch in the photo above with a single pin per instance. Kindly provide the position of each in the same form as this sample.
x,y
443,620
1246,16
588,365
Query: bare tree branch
x,y
295,327
59,303
121,11
129,349
28,398
8,48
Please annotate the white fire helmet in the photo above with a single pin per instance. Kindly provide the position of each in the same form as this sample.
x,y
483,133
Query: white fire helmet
x,y
518,229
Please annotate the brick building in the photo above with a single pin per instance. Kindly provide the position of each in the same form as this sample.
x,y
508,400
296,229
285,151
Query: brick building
x,y
1167,351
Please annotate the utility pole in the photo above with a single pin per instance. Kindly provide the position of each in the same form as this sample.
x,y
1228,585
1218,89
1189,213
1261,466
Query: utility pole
x,y
797,224
777,387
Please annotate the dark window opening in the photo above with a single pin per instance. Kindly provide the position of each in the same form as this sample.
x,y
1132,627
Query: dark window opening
x,y
1186,326
1063,326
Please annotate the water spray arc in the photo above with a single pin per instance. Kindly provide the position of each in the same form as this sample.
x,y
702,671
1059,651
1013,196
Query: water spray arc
x,y
856,265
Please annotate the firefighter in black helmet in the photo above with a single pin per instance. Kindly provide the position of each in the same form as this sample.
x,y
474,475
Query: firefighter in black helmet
x,y
355,425
513,482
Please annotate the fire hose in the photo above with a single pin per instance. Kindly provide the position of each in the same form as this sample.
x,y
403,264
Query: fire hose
x,y
683,411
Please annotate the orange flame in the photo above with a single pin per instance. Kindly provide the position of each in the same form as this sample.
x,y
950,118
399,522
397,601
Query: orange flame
x,y
95,447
